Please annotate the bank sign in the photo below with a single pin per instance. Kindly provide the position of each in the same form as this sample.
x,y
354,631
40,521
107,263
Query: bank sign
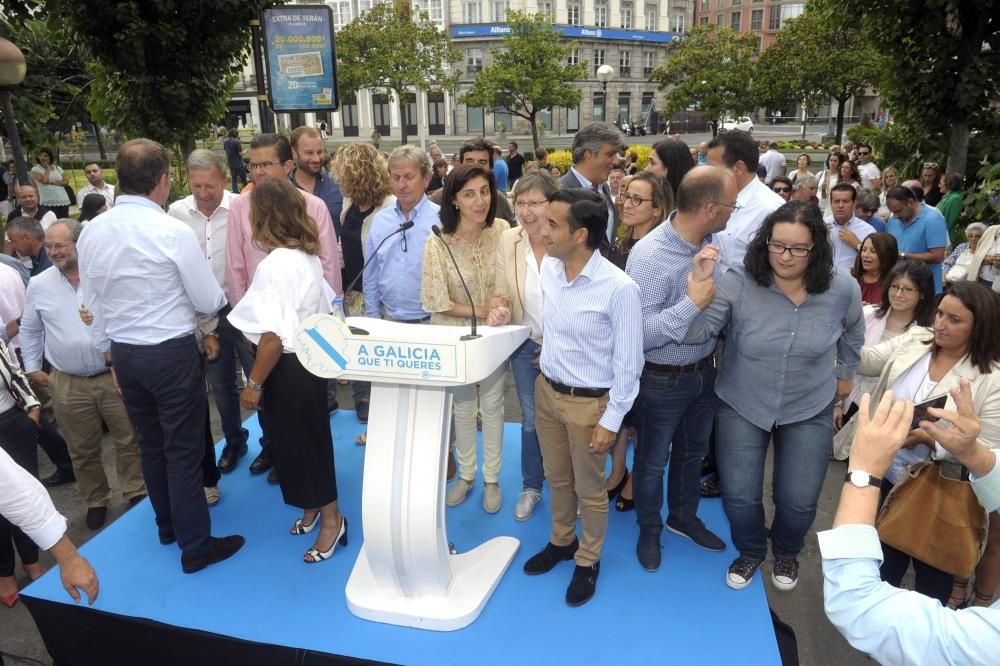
x,y
574,31
301,63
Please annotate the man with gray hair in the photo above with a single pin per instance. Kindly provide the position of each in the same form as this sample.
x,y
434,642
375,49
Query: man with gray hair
x,y
595,148
28,239
82,387
804,189
206,211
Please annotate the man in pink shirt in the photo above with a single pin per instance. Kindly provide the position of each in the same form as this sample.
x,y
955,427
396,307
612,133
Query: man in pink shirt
x,y
271,157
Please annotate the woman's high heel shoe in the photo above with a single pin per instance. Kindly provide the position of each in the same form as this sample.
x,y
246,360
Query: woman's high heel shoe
x,y
10,600
613,493
300,527
313,555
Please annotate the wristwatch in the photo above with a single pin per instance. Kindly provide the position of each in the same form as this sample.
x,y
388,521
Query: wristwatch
x,y
862,479
254,385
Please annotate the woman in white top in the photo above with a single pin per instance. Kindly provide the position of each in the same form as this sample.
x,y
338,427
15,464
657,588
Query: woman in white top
x,y
51,183
827,178
518,300
288,287
802,162
890,179
923,364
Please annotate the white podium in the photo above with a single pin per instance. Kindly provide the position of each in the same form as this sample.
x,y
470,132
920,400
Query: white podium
x,y
405,574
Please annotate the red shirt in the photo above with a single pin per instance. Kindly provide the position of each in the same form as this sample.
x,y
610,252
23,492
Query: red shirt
x,y
871,293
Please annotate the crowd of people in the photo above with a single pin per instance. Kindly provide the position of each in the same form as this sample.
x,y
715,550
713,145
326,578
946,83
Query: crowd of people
x,y
706,309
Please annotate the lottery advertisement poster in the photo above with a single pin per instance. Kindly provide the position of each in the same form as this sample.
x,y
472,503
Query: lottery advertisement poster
x,y
301,62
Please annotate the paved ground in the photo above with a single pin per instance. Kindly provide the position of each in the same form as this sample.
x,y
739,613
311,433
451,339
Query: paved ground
x,y
819,642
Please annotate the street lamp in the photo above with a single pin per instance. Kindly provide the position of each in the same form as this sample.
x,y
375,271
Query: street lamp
x,y
12,70
604,74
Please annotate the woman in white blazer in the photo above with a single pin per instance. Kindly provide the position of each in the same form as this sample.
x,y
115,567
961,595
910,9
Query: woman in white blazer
x,y
920,365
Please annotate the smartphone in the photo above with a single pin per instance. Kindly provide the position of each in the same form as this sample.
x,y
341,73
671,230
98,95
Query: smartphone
x,y
920,410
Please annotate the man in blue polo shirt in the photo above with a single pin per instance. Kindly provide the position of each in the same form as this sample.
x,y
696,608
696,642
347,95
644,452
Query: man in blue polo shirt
x,y
920,231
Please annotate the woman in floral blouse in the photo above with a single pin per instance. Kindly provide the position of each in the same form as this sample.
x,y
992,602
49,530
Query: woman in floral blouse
x,y
470,227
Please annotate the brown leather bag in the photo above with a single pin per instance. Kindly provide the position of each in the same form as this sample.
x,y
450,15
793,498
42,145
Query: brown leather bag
x,y
936,520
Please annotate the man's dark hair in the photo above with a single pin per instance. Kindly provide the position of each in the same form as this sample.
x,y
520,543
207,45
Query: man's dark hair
x,y
844,187
453,184
234,133
140,166
819,270
514,143
48,151
587,210
862,144
737,146
901,194
473,145
541,153
87,164
953,181
280,143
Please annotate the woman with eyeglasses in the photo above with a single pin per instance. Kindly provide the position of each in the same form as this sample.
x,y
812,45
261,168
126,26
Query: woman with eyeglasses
x,y
471,228
955,267
849,174
794,328
879,253
802,171
930,174
517,299
924,363
908,300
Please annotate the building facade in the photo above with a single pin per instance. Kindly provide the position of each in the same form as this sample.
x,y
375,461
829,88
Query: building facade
x,y
629,35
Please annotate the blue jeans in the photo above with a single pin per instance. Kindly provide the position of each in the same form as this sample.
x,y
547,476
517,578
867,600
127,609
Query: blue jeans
x,y
673,416
222,377
525,374
801,453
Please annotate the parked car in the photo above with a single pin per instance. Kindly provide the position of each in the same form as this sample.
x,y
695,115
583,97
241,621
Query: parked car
x,y
744,124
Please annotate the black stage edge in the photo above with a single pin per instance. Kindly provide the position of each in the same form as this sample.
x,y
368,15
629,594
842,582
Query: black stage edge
x,y
81,636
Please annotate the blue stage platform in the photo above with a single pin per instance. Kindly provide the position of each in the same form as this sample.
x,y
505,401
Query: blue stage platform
x,y
682,614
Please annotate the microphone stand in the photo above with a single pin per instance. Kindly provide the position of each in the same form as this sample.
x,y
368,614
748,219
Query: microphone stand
x,y
472,336
403,227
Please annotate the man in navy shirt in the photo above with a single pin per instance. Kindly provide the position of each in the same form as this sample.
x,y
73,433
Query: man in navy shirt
x,y
310,173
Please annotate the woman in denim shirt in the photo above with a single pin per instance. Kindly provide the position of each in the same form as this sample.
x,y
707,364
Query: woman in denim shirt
x,y
794,328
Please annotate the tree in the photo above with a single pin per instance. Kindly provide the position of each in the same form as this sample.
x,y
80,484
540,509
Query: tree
x,y
389,48
814,58
711,69
942,60
529,73
163,70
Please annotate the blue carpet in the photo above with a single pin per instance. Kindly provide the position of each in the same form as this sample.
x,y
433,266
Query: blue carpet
x,y
682,614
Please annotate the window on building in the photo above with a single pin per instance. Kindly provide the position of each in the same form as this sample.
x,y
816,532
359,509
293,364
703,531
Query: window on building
x,y
434,9
625,63
601,16
545,116
757,20
774,21
473,12
703,20
679,24
721,4
624,100
599,106
790,12
500,8
435,113
349,115
734,21
573,119
380,114
705,5
574,57
648,62
341,13
545,7
474,119
760,45
720,19
365,5
646,107
599,56
573,13
502,122
650,18
411,113
737,2
626,16
473,60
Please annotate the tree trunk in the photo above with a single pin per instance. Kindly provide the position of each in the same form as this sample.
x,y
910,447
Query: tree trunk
x,y
958,147
401,98
533,119
187,147
840,119
100,142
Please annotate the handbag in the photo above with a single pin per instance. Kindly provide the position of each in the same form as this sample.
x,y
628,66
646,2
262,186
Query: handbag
x,y
935,519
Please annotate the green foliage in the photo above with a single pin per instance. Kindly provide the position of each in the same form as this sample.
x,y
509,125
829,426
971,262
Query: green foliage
x,y
529,72
163,69
392,48
982,202
814,57
562,159
711,69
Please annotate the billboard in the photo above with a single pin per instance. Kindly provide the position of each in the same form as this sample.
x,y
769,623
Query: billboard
x,y
300,58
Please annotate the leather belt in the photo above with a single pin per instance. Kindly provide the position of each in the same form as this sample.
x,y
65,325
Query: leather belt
x,y
576,392
681,369
952,470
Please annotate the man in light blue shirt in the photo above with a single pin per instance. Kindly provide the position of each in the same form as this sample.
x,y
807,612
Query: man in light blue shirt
x,y
499,169
83,390
897,626
143,277
590,364
392,279
920,231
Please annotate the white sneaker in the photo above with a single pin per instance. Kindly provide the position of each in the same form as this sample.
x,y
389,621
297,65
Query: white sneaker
x,y
526,504
212,495
491,497
456,494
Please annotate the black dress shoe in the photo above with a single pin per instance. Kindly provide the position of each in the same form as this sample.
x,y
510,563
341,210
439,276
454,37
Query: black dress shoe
x,y
647,549
697,532
220,549
58,478
96,515
262,462
361,409
550,556
272,476
710,487
132,501
167,537
231,454
583,585
332,408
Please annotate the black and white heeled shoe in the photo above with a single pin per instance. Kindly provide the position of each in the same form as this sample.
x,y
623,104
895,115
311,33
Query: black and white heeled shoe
x,y
313,555
301,527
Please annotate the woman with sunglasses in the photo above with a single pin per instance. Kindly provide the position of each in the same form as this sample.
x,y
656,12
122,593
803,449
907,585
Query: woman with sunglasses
x,y
930,174
794,329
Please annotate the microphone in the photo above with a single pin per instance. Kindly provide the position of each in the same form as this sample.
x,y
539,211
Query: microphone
x,y
403,227
472,336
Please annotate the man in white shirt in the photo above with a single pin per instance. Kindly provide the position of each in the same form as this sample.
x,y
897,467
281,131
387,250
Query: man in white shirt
x,y
847,231
82,388
774,162
737,151
206,212
871,177
95,185
144,279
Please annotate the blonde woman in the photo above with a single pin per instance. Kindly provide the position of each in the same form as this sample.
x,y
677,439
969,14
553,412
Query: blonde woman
x,y
890,179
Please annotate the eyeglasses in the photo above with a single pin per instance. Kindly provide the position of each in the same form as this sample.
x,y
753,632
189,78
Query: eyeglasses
x,y
900,289
779,249
781,190
930,165
533,205
403,241
633,199
864,152
263,165
57,246
734,206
